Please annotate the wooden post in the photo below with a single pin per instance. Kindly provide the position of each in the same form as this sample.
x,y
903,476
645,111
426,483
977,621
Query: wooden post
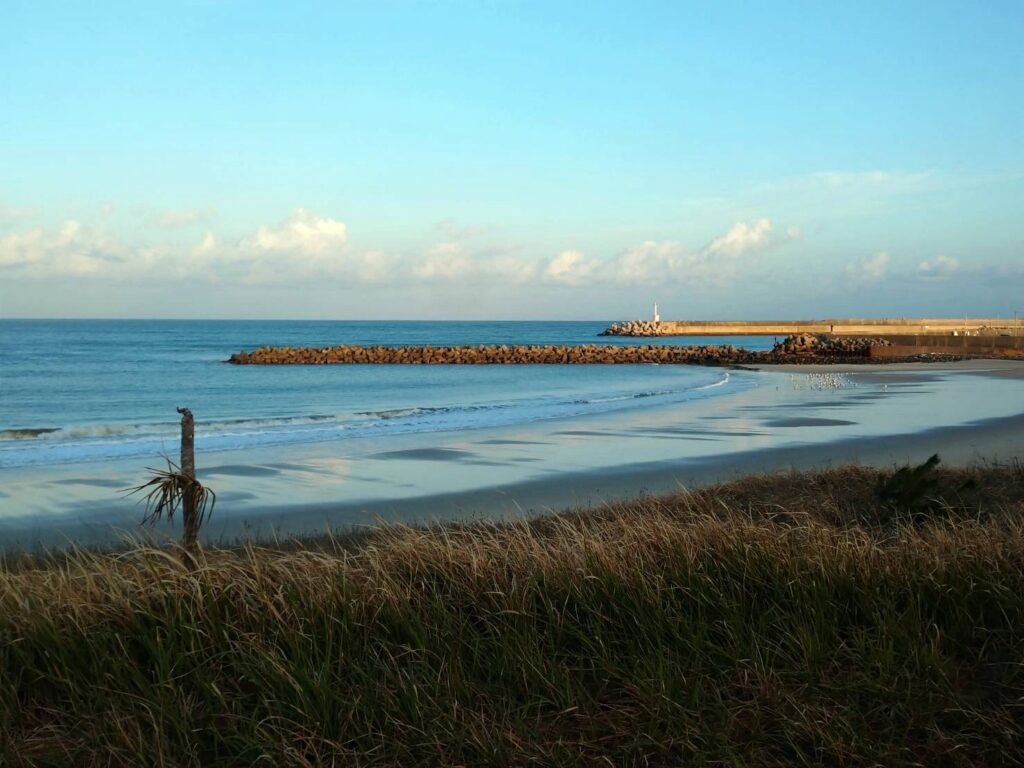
x,y
189,512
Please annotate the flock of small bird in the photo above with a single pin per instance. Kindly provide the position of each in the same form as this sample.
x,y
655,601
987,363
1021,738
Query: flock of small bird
x,y
820,381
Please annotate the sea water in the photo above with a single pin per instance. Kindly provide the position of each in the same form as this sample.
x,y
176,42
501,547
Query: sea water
x,y
91,390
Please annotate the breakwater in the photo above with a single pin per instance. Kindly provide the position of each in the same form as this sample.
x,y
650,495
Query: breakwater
x,y
837,327
968,346
587,354
800,348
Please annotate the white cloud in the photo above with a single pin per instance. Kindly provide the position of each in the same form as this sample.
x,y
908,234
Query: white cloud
x,y
302,248
73,249
742,238
306,248
207,246
21,250
871,269
717,263
452,261
653,262
568,267
939,268
304,232
445,261
648,262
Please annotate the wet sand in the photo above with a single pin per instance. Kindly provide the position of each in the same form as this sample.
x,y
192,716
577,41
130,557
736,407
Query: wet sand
x,y
789,417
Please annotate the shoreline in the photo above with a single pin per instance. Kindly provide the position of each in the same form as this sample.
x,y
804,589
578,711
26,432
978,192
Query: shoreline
x,y
995,441
881,416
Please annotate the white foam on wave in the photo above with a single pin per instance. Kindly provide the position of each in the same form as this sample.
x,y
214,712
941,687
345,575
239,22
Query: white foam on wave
x,y
152,428
721,382
110,441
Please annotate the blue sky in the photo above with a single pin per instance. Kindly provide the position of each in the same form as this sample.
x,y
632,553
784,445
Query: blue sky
x,y
506,160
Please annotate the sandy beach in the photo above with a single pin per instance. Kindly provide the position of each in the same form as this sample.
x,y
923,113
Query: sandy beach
x,y
776,418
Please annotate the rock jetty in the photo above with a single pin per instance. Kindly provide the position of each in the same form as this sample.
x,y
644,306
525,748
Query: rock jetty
x,y
635,328
803,348
822,345
586,354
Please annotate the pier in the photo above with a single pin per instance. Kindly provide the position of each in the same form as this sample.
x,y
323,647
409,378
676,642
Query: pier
x,y
960,326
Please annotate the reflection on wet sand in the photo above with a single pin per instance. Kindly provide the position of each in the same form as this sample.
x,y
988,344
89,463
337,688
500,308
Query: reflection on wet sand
x,y
764,424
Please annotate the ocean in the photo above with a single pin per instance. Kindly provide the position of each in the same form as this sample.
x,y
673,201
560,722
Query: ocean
x,y
93,390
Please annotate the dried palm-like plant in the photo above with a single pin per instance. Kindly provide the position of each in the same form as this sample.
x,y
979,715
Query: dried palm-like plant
x,y
170,490
177,488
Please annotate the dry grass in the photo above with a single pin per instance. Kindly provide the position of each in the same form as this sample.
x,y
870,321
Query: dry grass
x,y
773,621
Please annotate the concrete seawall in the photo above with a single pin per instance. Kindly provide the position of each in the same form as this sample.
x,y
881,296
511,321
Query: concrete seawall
x,y
968,346
835,327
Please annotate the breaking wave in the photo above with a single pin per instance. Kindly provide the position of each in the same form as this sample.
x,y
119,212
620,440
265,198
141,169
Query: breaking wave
x,y
22,446
26,434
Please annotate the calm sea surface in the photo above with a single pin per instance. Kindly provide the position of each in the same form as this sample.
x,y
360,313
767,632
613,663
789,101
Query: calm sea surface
x,y
89,390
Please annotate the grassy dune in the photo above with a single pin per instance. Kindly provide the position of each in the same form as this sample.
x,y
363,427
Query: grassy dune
x,y
780,620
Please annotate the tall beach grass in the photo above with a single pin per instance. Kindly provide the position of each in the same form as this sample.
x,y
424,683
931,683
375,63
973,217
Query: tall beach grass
x,y
782,620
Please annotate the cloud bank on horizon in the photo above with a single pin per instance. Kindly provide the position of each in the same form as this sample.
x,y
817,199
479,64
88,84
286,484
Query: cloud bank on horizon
x,y
306,249
522,161
310,252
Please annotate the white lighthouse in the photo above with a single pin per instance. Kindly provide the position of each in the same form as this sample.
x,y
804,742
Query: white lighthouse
x,y
657,317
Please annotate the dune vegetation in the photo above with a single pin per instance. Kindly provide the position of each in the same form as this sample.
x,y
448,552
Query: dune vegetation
x,y
846,617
